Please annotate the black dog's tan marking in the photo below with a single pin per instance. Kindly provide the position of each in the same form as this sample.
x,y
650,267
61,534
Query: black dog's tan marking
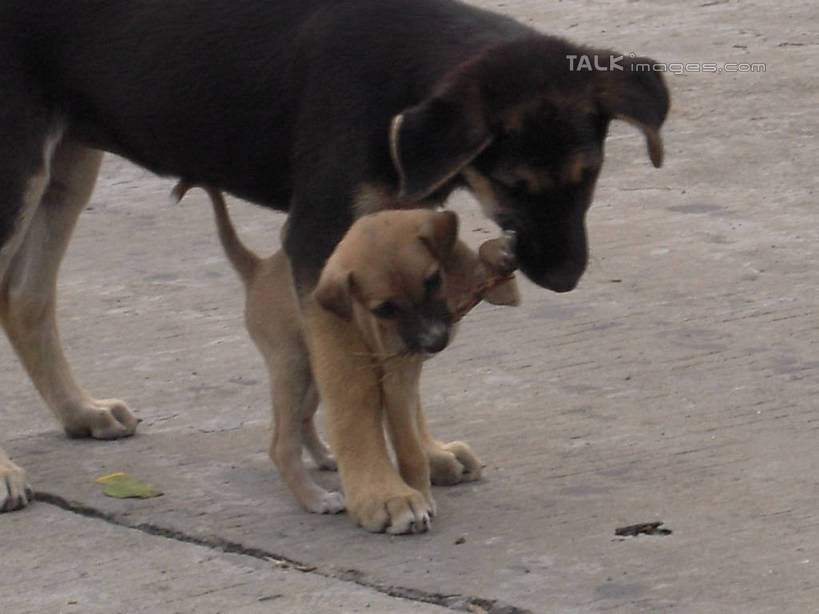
x,y
295,105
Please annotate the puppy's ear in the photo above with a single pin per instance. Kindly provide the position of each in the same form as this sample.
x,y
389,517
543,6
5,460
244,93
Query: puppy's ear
x,y
431,142
638,95
334,291
439,233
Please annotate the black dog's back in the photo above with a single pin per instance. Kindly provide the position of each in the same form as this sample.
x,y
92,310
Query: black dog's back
x,y
199,89
290,104
212,90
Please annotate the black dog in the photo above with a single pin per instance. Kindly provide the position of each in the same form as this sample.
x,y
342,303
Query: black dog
x,y
322,108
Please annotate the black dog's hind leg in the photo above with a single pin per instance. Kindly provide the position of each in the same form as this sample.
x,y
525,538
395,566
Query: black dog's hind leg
x,y
28,290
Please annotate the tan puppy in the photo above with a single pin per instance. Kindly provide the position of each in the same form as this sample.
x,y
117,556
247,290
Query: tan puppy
x,y
404,280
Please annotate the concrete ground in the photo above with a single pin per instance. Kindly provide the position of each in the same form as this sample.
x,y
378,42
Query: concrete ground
x,y
678,383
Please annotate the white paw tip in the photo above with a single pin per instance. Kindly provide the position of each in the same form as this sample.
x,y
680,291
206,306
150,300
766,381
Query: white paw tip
x,y
329,503
410,525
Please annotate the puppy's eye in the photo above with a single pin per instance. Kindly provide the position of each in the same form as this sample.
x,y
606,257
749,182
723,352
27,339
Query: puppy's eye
x,y
432,283
385,310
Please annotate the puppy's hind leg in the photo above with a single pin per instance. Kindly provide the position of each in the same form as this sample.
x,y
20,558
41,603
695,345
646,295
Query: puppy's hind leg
x,y
273,323
28,303
294,403
315,445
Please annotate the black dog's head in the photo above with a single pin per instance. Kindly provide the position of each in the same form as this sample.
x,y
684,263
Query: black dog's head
x,y
523,126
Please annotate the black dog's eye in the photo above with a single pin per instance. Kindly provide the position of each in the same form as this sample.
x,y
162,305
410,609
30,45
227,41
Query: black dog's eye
x,y
385,310
514,185
432,283
521,186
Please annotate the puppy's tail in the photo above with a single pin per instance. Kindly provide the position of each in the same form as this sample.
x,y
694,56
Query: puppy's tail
x,y
242,258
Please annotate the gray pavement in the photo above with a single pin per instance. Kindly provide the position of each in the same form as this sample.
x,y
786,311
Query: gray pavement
x,y
679,383
69,563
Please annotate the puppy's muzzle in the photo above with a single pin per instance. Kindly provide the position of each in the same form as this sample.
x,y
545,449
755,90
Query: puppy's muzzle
x,y
429,331
434,338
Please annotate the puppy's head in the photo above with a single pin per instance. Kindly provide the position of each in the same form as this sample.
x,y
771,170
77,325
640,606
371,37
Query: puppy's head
x,y
387,275
522,125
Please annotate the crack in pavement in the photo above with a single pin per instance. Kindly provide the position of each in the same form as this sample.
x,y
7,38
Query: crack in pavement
x,y
456,602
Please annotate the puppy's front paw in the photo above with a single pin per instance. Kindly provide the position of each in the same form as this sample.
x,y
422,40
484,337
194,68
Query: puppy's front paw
x,y
327,503
15,491
453,463
406,511
101,419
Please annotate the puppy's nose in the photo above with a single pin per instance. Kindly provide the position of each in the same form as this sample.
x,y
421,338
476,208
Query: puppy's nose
x,y
435,338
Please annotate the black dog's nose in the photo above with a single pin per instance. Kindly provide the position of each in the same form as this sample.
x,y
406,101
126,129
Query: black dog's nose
x,y
559,281
562,278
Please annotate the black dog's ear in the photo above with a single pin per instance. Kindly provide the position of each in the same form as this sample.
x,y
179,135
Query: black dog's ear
x,y
430,143
638,95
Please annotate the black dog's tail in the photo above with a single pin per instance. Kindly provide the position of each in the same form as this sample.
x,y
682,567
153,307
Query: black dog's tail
x,y
242,258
